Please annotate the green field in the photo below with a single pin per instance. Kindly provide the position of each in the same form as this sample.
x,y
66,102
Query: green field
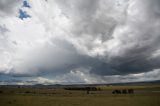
x,y
143,96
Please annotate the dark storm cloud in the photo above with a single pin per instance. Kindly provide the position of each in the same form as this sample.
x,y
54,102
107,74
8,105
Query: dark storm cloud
x,y
107,37
137,44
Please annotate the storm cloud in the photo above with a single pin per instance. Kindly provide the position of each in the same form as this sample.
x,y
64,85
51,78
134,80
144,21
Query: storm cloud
x,y
84,40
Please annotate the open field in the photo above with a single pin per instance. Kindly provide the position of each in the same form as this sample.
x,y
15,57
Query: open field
x,y
144,95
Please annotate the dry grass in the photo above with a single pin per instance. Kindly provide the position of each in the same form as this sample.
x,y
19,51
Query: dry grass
x,y
60,97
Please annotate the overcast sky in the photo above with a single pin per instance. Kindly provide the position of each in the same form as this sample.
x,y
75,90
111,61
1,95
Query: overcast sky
x,y
79,41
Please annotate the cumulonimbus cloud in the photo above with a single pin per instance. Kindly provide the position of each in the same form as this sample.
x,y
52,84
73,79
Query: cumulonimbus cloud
x,y
107,37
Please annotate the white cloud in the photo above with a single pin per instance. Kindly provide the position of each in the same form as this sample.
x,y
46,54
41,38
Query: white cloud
x,y
110,36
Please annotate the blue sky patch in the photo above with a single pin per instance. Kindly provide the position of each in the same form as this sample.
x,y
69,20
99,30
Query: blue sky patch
x,y
26,4
23,14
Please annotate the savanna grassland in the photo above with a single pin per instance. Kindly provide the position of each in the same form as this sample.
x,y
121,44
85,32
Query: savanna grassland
x,y
144,95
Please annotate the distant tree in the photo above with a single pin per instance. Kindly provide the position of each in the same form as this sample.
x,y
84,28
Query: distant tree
x,y
130,91
87,91
124,91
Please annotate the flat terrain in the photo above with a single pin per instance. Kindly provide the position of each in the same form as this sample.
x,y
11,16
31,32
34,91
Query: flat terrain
x,y
148,95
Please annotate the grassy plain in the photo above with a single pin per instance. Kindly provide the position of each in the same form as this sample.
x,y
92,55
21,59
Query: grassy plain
x,y
144,96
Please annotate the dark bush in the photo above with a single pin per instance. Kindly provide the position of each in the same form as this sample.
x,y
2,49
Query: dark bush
x,y
130,91
99,89
124,91
116,91
28,92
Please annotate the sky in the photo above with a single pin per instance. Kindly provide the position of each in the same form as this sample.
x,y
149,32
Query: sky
x,y
79,41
